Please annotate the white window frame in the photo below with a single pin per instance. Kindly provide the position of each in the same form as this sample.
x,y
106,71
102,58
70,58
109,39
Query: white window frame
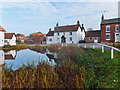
x,y
90,38
95,38
116,28
106,35
108,26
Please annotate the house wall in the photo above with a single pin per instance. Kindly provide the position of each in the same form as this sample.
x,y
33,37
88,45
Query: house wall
x,y
76,36
48,39
11,41
91,41
1,38
112,31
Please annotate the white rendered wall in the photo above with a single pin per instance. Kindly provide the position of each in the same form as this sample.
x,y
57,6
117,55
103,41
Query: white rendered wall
x,y
11,41
1,38
48,39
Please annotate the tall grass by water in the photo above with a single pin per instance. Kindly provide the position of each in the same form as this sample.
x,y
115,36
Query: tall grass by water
x,y
44,76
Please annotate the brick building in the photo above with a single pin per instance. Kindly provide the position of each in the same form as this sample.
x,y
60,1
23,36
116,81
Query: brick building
x,y
110,30
92,36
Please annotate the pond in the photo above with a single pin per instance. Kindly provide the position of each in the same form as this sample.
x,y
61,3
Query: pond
x,y
18,58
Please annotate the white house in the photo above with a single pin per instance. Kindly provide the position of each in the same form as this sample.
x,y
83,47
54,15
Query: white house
x,y
2,31
66,34
10,39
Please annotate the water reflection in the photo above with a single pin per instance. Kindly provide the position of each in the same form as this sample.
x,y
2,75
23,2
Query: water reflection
x,y
18,58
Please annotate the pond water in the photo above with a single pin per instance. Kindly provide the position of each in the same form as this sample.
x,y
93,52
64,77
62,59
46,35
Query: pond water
x,y
18,58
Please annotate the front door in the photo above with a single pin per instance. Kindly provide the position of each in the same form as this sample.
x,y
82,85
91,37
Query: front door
x,y
117,38
95,40
63,39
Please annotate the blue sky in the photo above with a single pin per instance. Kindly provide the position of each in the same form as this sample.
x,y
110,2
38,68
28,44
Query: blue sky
x,y
29,17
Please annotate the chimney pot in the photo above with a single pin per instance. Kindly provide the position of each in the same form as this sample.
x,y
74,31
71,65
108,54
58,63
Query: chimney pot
x,y
78,22
82,25
102,17
49,29
57,25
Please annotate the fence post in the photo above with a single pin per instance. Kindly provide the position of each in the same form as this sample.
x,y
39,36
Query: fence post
x,y
102,49
93,46
84,45
65,44
112,56
62,44
78,45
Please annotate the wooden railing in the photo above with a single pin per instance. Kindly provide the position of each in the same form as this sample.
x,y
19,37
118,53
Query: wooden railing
x,y
95,45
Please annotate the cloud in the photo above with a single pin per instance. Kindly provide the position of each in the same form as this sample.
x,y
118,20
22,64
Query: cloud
x,y
33,16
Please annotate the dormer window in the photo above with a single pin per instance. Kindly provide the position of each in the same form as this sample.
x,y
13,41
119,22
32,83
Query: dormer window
x,y
116,27
107,28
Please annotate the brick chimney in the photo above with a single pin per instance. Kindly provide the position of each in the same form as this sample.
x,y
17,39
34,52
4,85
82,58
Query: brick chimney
x,y
78,22
49,29
102,18
57,25
82,25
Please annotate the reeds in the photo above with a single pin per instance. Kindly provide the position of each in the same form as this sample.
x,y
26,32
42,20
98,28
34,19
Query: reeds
x,y
66,75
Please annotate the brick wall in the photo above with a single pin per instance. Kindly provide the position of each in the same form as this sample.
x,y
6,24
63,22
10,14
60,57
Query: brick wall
x,y
91,41
112,30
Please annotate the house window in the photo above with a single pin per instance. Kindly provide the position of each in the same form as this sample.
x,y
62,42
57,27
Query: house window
x,y
58,34
116,27
70,38
107,28
95,38
90,38
108,36
70,33
5,41
50,39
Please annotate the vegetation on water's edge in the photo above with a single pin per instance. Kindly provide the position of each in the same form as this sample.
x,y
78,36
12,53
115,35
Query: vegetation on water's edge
x,y
76,67
44,76
19,47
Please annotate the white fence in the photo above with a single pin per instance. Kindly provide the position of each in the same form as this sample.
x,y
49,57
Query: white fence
x,y
95,45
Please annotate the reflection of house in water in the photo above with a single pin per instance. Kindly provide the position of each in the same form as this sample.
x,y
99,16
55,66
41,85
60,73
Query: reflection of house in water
x,y
10,55
1,57
51,55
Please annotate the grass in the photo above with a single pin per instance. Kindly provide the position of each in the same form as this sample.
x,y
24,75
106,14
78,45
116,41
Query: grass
x,y
76,68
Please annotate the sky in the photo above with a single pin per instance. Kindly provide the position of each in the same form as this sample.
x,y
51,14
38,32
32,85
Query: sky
x,y
27,17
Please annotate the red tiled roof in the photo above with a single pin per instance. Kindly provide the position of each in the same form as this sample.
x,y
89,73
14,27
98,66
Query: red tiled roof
x,y
1,29
94,33
66,28
9,57
9,35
